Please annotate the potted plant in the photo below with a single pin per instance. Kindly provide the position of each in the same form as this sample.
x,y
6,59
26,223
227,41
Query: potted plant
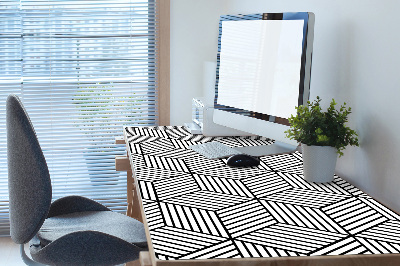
x,y
97,105
323,135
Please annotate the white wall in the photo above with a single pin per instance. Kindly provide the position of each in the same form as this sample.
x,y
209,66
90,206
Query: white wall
x,y
356,59
194,40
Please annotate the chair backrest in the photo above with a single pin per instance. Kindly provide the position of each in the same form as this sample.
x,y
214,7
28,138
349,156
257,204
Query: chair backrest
x,y
29,183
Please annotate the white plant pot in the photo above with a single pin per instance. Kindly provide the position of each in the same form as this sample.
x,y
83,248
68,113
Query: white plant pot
x,y
319,163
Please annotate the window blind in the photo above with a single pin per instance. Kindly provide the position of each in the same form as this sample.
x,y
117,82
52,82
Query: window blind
x,y
83,69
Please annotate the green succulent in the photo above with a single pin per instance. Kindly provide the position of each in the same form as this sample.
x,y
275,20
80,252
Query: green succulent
x,y
312,126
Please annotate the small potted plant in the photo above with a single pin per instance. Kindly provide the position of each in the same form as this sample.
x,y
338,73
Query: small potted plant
x,y
323,135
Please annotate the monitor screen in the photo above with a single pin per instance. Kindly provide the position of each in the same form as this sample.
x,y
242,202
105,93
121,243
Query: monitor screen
x,y
263,71
260,63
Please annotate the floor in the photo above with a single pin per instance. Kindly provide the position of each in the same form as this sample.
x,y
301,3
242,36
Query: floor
x,y
9,253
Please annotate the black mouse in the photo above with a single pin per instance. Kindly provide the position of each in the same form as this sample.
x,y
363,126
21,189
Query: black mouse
x,y
242,160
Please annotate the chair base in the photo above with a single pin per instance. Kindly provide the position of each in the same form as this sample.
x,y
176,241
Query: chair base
x,y
26,259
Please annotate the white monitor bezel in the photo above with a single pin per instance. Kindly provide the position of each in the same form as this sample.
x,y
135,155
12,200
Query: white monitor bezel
x,y
267,127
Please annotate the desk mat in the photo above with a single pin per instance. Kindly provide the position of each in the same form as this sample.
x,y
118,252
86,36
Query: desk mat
x,y
197,208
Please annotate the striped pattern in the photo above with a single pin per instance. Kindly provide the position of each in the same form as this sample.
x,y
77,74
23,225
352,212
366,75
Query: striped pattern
x,y
135,148
158,132
193,219
245,218
198,208
175,153
141,139
153,174
297,181
292,238
388,231
381,209
207,200
298,156
154,216
284,163
175,186
266,184
219,251
378,246
251,250
197,138
349,187
302,216
305,197
177,132
354,215
182,144
165,163
227,172
137,161
175,242
181,133
147,190
222,185
196,163
346,246
254,141
156,147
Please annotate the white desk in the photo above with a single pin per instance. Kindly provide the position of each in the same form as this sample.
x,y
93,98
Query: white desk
x,y
202,211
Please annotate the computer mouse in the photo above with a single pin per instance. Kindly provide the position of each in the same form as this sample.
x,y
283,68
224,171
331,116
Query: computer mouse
x,y
242,160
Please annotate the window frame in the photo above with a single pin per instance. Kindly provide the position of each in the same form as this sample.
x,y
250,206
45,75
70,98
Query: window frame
x,y
163,36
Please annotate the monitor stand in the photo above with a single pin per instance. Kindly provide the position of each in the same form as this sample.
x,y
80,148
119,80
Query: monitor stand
x,y
263,150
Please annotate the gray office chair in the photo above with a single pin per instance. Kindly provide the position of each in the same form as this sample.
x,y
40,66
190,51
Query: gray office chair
x,y
70,231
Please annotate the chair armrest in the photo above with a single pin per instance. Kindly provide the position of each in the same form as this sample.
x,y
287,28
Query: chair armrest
x,y
72,204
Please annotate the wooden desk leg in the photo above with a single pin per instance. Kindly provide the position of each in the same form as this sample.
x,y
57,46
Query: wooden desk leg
x,y
144,260
132,198
133,209
129,192
133,201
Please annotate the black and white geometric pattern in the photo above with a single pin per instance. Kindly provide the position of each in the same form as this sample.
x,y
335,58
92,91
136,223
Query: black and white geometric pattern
x,y
197,208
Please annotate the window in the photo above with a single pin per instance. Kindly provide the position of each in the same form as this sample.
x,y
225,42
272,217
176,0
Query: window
x,y
83,69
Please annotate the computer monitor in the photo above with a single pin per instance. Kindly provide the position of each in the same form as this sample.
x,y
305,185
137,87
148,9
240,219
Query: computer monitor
x,y
263,73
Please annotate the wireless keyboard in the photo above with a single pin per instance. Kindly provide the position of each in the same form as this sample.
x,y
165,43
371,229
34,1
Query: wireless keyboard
x,y
214,150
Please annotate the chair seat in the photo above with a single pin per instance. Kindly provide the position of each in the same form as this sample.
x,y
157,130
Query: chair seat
x,y
108,222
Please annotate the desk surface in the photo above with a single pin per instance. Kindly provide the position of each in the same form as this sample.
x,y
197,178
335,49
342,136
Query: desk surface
x,y
197,208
